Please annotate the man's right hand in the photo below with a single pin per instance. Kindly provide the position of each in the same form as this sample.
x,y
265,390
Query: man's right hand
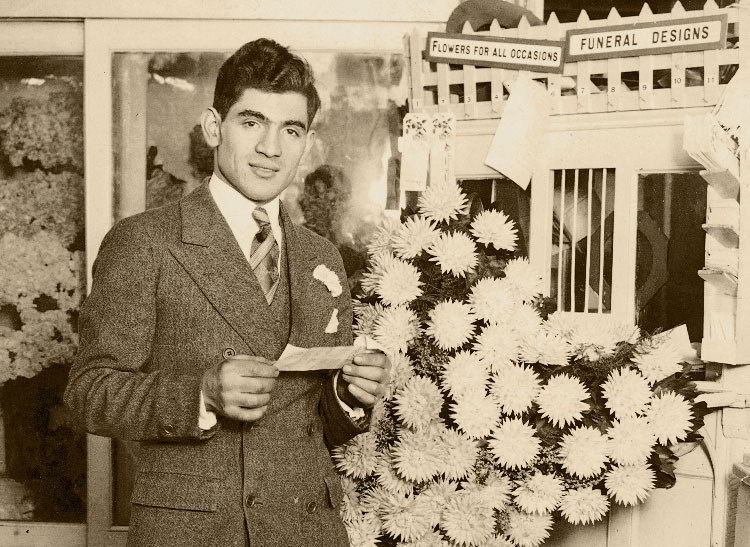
x,y
239,387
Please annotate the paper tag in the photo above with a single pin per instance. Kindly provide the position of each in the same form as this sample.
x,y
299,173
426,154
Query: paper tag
x,y
415,152
296,359
517,143
442,149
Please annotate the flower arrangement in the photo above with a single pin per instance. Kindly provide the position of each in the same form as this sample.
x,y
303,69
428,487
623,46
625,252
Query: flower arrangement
x,y
500,417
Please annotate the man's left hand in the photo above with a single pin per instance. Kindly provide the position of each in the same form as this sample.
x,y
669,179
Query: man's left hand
x,y
365,380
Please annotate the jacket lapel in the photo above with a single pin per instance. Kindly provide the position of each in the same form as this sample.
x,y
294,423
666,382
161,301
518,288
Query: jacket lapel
x,y
209,253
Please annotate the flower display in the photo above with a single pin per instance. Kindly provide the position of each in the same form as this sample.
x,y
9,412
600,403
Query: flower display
x,y
500,416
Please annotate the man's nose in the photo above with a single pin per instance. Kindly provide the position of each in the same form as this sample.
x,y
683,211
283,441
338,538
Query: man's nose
x,y
269,144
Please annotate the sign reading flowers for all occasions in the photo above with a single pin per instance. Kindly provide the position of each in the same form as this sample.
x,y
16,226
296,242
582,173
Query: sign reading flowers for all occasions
x,y
493,51
694,34
500,416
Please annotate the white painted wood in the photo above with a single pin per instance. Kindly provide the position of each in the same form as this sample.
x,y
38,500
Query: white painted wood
x,y
41,38
42,534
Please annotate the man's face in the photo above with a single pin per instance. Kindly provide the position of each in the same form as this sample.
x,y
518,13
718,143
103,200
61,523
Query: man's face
x,y
263,138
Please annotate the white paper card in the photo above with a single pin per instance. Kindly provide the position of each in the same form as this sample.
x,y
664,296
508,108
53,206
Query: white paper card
x,y
680,340
517,143
415,152
442,149
296,359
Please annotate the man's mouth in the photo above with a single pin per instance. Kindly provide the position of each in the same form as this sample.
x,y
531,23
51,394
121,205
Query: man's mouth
x,y
264,171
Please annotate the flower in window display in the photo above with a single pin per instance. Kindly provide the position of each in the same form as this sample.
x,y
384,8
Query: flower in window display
x,y
395,328
627,392
584,451
526,321
524,279
492,300
584,505
358,458
379,263
631,440
417,456
464,375
399,283
389,479
418,403
539,493
455,253
496,229
350,508
460,453
496,541
497,490
513,443
545,348
657,359
401,372
527,529
372,499
364,531
437,495
467,519
630,484
591,335
496,346
450,324
382,240
562,400
515,387
475,416
443,202
406,518
669,416
416,235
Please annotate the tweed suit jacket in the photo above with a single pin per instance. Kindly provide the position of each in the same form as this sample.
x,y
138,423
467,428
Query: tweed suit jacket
x,y
173,295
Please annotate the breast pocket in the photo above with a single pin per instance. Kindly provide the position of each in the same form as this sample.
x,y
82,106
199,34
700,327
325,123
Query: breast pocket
x,y
176,491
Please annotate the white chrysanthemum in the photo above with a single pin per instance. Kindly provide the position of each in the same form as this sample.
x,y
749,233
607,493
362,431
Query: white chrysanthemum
x,y
430,539
497,490
399,283
669,416
584,451
591,335
379,263
627,392
382,239
496,346
545,348
630,484
389,479
496,229
350,508
657,359
455,253
464,375
358,457
467,520
415,236
416,456
365,316
401,371
460,454
442,202
584,505
539,493
475,416
561,400
436,496
405,518
364,531
372,499
450,324
496,541
513,443
528,530
525,279
515,388
630,440
418,403
493,300
525,320
395,328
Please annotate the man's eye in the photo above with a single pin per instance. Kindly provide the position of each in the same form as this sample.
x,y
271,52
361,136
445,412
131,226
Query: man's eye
x,y
250,123
293,132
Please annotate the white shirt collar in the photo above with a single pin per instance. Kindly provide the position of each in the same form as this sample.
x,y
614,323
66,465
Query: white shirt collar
x,y
238,212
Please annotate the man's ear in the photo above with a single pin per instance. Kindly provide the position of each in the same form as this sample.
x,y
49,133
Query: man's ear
x,y
211,126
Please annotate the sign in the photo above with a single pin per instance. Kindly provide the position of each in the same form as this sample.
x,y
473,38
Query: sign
x,y
494,51
695,34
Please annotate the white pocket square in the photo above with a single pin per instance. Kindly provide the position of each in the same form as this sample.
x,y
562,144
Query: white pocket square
x,y
333,322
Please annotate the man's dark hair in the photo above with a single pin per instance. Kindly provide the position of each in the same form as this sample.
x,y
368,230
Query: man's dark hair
x,y
266,66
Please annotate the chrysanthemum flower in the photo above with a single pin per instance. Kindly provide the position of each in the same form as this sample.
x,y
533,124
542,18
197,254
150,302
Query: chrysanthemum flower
x,y
475,416
395,328
584,451
513,443
416,456
584,505
405,518
437,495
467,520
630,440
525,279
418,403
364,531
415,236
493,300
657,359
545,348
442,202
382,239
373,498
365,316
401,371
539,493
669,416
627,392
528,530
460,454
350,507
496,229
389,479
496,346
630,484
497,489
399,283
515,387
561,400
450,324
455,253
525,320
591,335
358,457
464,375
431,538
496,541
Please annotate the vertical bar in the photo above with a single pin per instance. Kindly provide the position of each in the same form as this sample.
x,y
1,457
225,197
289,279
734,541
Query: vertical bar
x,y
602,229
711,77
646,81
443,87
470,91
614,84
573,240
560,243
417,65
678,80
588,242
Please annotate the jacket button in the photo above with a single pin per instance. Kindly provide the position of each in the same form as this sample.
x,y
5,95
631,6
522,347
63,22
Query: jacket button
x,y
310,429
228,352
168,430
252,501
312,507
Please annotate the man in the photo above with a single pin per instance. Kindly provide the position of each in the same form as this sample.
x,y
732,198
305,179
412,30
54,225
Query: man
x,y
190,307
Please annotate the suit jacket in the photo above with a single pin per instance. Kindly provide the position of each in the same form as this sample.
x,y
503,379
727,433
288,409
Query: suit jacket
x,y
173,295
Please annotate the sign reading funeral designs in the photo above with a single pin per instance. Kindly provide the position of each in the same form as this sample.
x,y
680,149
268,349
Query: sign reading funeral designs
x,y
696,34
493,51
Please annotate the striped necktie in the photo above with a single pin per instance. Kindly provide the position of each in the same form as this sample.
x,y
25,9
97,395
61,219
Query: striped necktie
x,y
264,254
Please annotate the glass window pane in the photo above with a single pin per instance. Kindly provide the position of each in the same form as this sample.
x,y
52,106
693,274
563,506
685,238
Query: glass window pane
x,y
42,457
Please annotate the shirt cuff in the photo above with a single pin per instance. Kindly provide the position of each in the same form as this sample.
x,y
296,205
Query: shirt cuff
x,y
206,418
356,413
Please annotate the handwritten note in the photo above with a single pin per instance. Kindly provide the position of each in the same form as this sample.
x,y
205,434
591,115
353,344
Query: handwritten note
x,y
296,359
518,141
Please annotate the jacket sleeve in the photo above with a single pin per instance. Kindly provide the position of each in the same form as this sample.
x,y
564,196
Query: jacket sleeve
x,y
115,388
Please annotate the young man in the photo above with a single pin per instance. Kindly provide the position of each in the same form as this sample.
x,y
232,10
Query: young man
x,y
190,307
